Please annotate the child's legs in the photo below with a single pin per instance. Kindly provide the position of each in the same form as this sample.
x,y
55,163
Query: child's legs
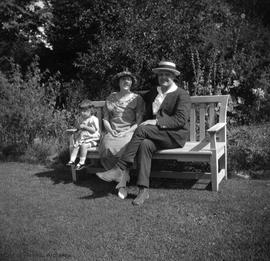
x,y
77,139
74,154
83,152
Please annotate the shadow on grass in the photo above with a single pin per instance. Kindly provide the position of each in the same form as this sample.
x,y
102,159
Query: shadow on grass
x,y
189,184
62,175
99,188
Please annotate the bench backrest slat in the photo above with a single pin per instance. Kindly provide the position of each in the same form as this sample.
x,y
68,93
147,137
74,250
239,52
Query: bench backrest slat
x,y
211,120
193,123
202,121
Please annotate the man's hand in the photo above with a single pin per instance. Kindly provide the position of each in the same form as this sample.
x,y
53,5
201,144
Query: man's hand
x,y
149,122
122,134
114,133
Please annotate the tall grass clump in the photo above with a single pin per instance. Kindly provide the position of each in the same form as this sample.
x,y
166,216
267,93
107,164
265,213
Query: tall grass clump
x,y
28,115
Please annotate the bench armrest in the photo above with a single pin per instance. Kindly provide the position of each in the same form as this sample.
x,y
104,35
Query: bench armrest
x,y
217,127
213,131
71,131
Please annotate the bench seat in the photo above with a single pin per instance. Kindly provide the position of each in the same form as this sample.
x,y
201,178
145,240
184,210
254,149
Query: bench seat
x,y
190,148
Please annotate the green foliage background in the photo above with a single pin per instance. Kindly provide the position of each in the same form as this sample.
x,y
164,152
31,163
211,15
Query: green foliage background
x,y
220,47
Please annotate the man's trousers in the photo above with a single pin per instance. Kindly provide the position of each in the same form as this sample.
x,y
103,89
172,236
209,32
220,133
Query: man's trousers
x,y
146,140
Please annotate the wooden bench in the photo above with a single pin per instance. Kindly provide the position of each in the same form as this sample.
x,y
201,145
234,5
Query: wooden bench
x,y
207,142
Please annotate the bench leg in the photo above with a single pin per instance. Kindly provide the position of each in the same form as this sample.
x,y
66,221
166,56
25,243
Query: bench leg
x,y
74,174
223,164
214,171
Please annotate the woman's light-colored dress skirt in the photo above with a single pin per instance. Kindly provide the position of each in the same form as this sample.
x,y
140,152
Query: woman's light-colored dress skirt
x,y
121,115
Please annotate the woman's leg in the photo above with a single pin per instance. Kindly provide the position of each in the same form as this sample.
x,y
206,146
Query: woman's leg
x,y
111,148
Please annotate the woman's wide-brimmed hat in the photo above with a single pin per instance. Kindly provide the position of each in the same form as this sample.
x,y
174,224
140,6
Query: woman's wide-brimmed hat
x,y
166,66
126,72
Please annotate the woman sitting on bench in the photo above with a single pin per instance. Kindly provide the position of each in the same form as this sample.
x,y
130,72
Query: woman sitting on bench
x,y
123,112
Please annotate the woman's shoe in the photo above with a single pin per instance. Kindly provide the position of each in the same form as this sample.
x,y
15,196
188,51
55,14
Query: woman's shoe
x,y
122,193
124,179
79,166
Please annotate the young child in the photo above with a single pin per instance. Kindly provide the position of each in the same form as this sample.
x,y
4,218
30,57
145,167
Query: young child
x,y
86,136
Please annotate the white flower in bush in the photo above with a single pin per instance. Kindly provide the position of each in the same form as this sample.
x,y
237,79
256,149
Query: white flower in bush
x,y
233,72
240,100
236,83
259,92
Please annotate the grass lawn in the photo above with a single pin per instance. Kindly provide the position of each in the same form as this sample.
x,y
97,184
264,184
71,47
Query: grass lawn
x,y
44,216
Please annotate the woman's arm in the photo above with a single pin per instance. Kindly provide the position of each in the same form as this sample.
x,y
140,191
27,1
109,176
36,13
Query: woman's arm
x,y
106,122
140,107
139,113
107,125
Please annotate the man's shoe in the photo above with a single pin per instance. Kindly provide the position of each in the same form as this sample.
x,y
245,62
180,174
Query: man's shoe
x,y
142,196
122,193
114,174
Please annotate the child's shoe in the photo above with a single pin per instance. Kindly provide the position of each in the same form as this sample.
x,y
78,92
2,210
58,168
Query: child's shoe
x,y
70,163
76,145
79,166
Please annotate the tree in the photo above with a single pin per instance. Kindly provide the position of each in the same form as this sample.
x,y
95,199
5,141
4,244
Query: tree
x,y
21,32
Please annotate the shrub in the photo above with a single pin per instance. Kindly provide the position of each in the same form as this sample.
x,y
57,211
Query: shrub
x,y
248,147
39,152
27,109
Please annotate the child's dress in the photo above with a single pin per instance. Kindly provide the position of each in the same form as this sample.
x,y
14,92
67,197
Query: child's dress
x,y
85,137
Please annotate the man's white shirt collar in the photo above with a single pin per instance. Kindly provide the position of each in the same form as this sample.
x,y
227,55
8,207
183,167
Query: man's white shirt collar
x,y
161,96
172,88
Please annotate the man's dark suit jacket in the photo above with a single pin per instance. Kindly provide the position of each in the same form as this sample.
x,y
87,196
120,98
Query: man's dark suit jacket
x,y
173,115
